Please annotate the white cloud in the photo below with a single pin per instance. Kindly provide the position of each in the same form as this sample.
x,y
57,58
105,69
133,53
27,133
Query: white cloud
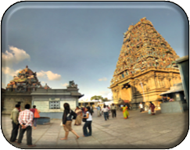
x,y
53,76
65,84
41,74
49,74
14,55
9,71
102,79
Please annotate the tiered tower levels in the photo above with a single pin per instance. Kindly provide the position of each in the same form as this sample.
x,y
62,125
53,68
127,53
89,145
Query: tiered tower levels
x,y
143,47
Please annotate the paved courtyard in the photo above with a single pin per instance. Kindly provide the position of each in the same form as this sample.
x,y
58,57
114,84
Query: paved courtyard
x,y
139,131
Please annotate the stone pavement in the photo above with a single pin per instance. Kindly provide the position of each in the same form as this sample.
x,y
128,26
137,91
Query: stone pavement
x,y
140,130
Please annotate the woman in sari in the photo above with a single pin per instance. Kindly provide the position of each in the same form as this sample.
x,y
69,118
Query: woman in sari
x,y
152,107
78,120
125,112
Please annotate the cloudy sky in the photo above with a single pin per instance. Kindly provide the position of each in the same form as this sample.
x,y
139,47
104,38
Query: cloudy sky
x,y
80,41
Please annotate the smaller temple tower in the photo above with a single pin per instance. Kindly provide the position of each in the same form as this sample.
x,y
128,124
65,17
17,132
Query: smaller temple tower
x,y
25,88
25,81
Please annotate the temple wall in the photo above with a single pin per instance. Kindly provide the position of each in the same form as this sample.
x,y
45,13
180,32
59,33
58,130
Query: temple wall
x,y
120,92
11,101
126,94
154,83
43,103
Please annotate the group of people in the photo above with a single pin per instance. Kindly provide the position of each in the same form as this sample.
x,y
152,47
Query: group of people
x,y
69,115
106,111
151,108
80,112
23,120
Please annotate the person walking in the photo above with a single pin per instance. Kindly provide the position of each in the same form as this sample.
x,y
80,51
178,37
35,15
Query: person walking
x,y
15,123
98,110
113,110
125,112
91,109
108,111
105,111
152,107
78,120
141,107
25,120
36,115
68,116
88,123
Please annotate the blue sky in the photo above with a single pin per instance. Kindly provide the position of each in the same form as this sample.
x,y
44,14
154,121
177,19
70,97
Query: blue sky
x,y
80,41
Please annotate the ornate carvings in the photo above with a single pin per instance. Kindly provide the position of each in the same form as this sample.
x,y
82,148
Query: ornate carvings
x,y
72,84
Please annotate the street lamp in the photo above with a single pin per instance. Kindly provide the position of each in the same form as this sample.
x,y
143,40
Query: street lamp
x,y
142,89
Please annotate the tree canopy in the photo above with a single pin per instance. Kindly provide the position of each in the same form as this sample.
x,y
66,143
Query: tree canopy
x,y
97,97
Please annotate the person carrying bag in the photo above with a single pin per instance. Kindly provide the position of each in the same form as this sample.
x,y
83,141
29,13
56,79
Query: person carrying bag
x,y
84,119
68,116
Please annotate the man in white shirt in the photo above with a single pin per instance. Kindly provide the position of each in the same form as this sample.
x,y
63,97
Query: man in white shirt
x,y
141,107
105,111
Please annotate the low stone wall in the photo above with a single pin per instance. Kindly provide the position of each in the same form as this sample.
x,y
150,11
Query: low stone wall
x,y
52,115
43,120
173,107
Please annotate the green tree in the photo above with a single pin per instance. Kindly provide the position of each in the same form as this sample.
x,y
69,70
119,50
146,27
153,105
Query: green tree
x,y
105,99
96,97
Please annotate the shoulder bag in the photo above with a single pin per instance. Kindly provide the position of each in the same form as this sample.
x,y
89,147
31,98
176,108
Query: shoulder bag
x,y
84,119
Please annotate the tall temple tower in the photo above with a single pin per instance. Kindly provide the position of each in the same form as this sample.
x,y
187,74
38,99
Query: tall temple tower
x,y
146,66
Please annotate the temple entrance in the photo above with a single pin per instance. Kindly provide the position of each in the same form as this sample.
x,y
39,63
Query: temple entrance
x,y
126,92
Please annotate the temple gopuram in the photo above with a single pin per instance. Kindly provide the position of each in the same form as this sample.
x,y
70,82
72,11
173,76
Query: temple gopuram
x,y
25,88
25,81
146,66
